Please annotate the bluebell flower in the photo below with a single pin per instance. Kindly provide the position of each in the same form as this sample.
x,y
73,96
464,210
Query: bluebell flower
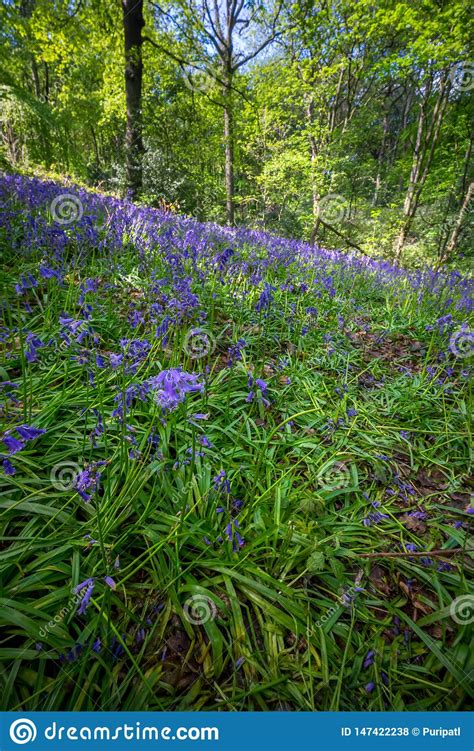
x,y
221,483
8,467
29,433
233,535
171,387
13,444
266,297
205,441
87,585
369,659
235,351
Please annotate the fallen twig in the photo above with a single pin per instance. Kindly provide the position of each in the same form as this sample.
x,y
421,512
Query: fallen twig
x,y
425,553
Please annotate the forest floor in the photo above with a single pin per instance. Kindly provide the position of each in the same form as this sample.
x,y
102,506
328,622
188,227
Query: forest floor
x,y
235,467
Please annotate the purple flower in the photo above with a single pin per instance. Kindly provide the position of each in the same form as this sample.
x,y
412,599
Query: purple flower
x,y
444,567
86,482
171,387
232,534
374,518
266,298
221,483
110,582
140,635
87,585
115,361
261,385
28,433
13,444
369,659
235,351
369,687
8,467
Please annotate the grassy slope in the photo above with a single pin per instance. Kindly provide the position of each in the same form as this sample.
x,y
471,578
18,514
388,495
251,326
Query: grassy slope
x,y
289,618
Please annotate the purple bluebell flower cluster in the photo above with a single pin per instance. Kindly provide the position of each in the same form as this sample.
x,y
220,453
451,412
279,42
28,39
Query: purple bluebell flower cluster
x,y
15,444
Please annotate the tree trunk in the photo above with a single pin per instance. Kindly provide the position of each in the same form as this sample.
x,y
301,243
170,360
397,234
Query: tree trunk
x,y
453,240
36,80
229,163
314,185
426,140
132,25
381,154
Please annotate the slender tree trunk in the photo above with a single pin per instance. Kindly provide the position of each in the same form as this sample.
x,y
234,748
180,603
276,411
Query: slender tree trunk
x,y
36,80
426,140
453,240
46,81
96,147
383,145
314,184
456,191
229,143
229,163
132,25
